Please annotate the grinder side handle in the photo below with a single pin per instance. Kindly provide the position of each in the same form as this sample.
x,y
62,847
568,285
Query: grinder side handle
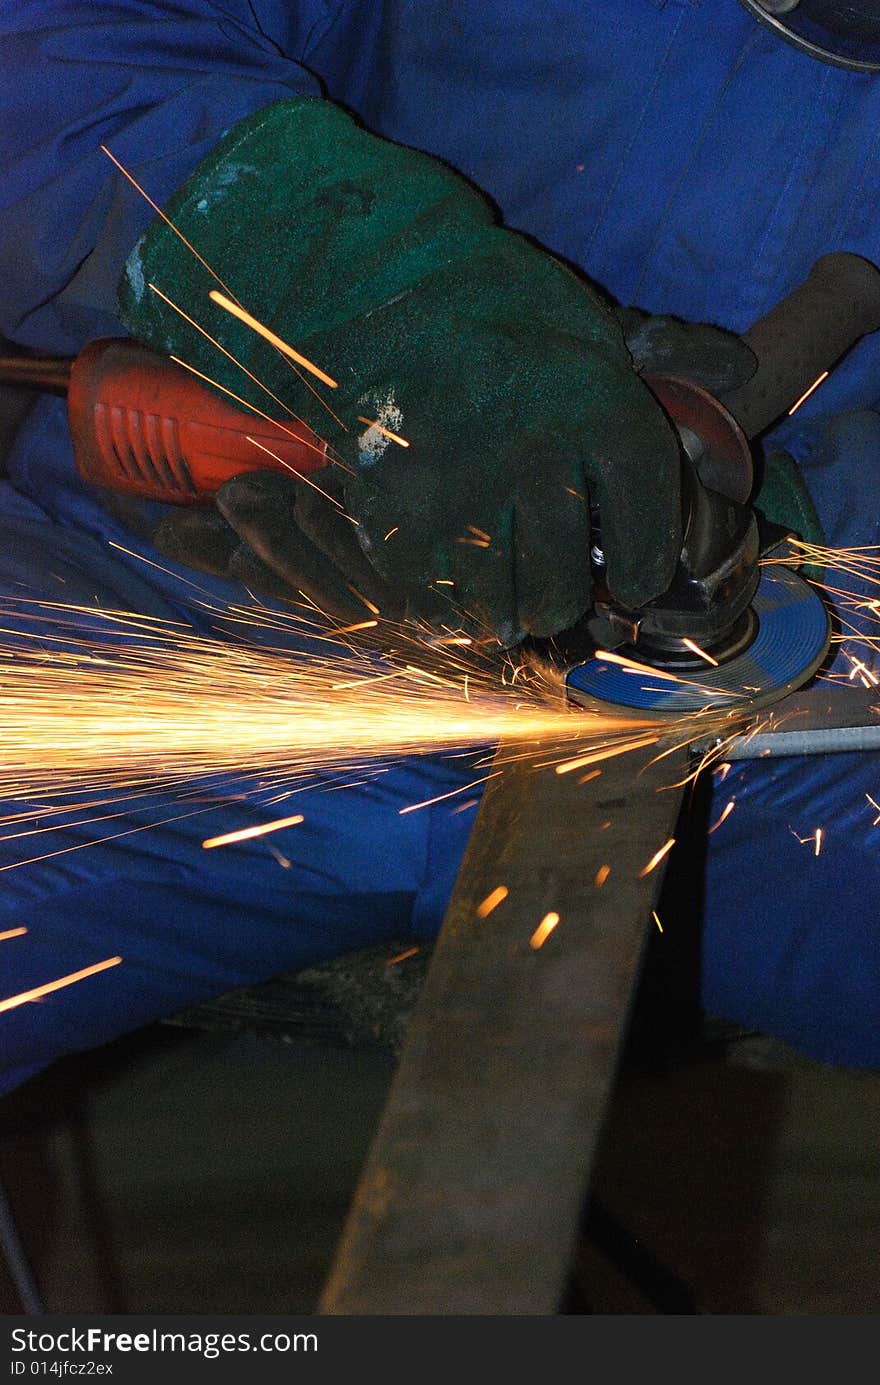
x,y
804,335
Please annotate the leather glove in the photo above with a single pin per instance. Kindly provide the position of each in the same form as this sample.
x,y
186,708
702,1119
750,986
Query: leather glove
x,y
506,373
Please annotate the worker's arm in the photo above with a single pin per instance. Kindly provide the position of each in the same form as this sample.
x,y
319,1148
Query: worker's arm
x,y
158,84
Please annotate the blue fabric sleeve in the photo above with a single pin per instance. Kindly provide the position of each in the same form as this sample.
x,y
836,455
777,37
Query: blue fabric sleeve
x,y
158,84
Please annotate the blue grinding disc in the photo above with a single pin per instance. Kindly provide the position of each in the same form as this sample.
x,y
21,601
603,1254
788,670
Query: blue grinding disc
x,y
790,644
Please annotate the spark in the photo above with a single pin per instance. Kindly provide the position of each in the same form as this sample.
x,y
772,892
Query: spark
x,y
300,475
861,670
814,839
606,753
24,997
361,625
806,394
723,770
159,212
726,812
252,408
876,807
632,666
370,605
602,875
543,930
657,858
235,310
395,530
402,956
655,916
386,432
245,834
701,653
492,900
12,933
441,797
242,367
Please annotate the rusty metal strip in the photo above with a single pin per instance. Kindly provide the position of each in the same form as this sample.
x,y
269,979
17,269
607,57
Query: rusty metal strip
x,y
470,1195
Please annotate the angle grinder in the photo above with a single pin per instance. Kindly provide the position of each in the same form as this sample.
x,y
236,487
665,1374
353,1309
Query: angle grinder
x,y
731,628
727,626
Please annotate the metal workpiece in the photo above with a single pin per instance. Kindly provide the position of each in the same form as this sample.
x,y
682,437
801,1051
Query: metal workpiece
x,y
829,718
470,1197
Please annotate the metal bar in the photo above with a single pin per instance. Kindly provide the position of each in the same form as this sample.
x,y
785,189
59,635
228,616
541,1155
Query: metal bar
x,y
470,1196
823,720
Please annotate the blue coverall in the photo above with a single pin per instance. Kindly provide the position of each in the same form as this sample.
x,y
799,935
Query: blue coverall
x,y
690,163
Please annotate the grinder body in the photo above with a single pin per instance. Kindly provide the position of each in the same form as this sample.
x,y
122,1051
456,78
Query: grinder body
x,y
709,600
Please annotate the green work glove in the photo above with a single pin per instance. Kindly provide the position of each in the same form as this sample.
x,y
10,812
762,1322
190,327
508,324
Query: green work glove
x,y
504,371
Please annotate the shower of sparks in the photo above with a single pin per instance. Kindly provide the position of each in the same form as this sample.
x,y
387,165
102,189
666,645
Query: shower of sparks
x,y
24,997
806,394
109,714
492,900
657,858
235,310
244,834
543,930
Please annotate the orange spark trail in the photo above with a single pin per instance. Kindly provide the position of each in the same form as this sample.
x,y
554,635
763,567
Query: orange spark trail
x,y
724,816
271,337
402,956
159,212
395,437
245,834
544,929
39,991
492,900
657,858
806,394
12,933
252,408
701,653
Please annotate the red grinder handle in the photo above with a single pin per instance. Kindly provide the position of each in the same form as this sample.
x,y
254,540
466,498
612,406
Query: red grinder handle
x,y
142,425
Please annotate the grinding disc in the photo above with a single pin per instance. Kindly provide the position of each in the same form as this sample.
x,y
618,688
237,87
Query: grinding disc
x,y
791,642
